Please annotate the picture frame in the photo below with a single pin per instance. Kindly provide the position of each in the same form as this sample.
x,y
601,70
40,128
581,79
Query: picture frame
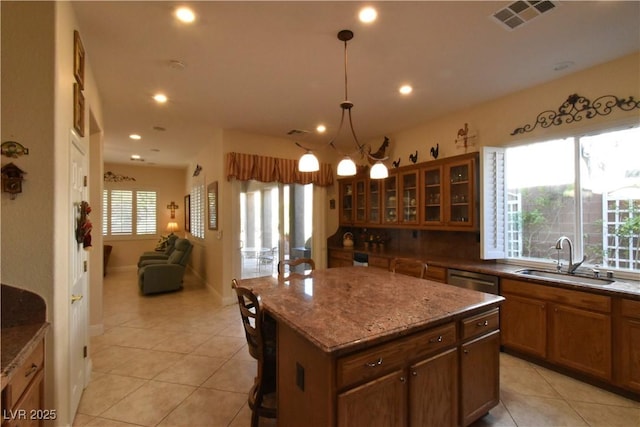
x,y
187,213
212,199
78,109
78,59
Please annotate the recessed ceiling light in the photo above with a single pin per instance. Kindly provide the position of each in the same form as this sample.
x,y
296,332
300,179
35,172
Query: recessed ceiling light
x,y
321,128
135,136
160,98
135,157
185,14
368,15
405,89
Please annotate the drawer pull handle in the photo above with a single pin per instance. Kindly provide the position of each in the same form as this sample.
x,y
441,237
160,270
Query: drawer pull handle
x,y
31,370
485,323
374,364
435,340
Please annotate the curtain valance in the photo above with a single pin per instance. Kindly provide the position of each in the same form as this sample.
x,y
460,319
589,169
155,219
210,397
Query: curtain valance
x,y
244,167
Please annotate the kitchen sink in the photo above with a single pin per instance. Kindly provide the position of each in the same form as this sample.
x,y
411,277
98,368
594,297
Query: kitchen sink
x,y
565,277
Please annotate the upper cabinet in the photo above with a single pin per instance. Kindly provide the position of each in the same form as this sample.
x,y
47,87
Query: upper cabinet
x,y
439,195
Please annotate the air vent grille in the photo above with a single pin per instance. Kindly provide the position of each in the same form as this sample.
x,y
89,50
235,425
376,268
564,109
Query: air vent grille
x,y
521,12
297,132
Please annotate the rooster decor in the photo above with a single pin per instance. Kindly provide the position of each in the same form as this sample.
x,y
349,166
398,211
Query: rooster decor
x,y
413,157
396,164
380,154
434,151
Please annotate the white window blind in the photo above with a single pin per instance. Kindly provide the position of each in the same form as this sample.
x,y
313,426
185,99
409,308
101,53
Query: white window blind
x,y
197,210
129,212
493,204
146,212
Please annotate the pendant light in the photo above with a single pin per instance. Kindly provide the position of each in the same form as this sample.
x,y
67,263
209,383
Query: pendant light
x,y
346,167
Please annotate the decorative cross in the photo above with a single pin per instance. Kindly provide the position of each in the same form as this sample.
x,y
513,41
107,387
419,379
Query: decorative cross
x,y
173,208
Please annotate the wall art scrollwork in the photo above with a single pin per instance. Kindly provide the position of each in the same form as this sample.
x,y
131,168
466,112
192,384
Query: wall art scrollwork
x,y
578,107
112,177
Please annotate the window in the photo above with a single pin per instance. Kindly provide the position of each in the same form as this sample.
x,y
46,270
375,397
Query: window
x,y
122,206
586,188
197,210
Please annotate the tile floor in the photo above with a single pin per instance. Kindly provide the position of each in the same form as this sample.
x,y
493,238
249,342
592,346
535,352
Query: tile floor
x,y
178,359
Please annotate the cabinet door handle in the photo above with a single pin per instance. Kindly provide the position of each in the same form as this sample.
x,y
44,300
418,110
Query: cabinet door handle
x,y
485,323
414,373
374,364
465,351
435,340
403,379
31,370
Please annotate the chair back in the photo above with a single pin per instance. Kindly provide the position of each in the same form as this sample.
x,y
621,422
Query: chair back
x,y
252,319
288,265
171,244
181,253
408,266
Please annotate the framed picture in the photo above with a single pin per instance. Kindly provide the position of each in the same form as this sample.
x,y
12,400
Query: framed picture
x,y
78,109
187,213
78,59
212,197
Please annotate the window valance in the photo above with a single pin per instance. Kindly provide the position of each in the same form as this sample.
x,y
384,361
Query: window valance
x,y
245,167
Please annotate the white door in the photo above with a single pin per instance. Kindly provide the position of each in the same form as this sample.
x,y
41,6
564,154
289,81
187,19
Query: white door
x,y
78,286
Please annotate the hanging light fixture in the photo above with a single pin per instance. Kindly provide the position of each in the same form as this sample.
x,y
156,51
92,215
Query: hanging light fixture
x,y
347,167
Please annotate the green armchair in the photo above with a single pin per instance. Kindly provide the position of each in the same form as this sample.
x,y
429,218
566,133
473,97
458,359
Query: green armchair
x,y
157,275
163,255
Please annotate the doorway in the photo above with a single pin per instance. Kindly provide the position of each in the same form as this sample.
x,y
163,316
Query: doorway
x,y
276,222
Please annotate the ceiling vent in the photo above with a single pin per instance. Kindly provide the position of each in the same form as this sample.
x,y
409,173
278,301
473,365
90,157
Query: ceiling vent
x,y
521,12
297,132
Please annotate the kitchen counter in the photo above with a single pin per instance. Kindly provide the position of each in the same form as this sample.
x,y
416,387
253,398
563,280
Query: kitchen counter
x,y
346,309
620,287
23,328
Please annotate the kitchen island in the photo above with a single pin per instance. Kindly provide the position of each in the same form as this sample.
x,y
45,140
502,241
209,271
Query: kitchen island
x,y
363,346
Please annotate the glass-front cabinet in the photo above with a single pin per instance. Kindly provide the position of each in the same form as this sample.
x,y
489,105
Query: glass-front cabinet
x,y
373,197
346,202
409,200
460,203
390,200
432,196
360,189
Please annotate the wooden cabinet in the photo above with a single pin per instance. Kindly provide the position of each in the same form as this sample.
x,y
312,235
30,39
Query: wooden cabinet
x,y
339,258
409,197
439,195
565,327
524,324
628,364
438,274
390,200
379,261
346,202
23,397
480,377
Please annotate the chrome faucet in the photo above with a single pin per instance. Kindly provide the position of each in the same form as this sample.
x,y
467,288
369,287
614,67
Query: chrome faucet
x,y
572,267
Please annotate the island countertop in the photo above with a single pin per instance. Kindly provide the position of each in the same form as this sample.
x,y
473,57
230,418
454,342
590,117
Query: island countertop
x,y
345,309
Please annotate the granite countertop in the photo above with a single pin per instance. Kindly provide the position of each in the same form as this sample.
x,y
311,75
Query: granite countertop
x,y
620,287
349,308
23,327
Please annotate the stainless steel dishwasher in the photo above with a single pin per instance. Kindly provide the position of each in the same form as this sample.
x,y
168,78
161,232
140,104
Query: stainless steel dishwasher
x,y
476,281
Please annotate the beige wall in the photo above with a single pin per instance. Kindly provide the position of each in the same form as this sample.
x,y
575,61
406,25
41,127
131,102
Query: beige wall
x,y
170,186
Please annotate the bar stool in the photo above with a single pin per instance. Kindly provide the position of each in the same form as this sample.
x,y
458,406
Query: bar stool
x,y
291,263
408,266
261,340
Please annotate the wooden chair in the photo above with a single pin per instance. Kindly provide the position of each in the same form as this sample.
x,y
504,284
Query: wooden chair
x,y
292,263
409,266
261,339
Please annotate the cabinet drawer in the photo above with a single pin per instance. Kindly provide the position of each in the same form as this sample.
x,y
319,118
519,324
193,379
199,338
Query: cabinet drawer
x,y
24,374
631,308
480,324
376,361
380,262
439,274
341,255
577,299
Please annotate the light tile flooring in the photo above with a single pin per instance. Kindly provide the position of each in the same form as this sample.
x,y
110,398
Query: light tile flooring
x,y
178,359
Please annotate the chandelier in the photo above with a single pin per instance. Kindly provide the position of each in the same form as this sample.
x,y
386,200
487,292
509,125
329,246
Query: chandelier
x,y
347,167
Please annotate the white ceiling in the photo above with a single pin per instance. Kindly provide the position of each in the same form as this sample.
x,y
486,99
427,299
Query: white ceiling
x,y
270,67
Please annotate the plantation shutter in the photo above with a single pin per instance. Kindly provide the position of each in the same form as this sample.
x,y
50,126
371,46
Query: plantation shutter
x,y
493,204
146,212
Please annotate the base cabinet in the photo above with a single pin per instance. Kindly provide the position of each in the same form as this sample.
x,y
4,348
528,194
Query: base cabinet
x,y
23,398
524,324
628,375
480,377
